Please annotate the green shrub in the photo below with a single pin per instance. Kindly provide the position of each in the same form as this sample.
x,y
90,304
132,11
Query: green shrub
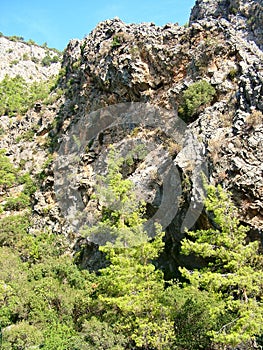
x,y
2,132
100,335
25,57
16,38
115,41
232,74
29,185
31,42
21,336
22,201
234,272
8,173
14,62
26,136
17,96
35,59
13,95
48,60
197,95
12,229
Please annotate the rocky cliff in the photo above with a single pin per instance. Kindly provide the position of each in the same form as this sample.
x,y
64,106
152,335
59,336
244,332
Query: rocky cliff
x,y
245,16
117,70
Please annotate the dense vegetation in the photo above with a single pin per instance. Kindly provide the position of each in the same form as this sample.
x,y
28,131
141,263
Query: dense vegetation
x,y
47,302
17,95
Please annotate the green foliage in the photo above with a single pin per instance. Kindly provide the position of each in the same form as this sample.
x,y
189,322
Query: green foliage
x,y
121,216
25,57
16,38
29,184
21,336
17,96
115,41
131,291
35,59
234,271
26,136
193,320
58,336
8,173
130,288
48,60
13,228
21,201
2,132
12,92
47,302
101,335
31,42
232,74
197,95
9,177
14,62
43,295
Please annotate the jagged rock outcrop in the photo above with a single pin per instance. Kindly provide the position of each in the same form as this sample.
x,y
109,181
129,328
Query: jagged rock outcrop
x,y
246,16
155,65
120,63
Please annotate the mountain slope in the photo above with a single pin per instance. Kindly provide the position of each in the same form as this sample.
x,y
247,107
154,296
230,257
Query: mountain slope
x,y
30,61
163,67
170,107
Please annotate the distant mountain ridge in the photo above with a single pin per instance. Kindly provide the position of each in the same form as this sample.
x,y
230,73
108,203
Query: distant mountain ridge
x,y
27,59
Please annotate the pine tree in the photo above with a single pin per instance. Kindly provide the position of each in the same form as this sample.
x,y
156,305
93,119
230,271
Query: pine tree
x,y
130,289
120,219
233,273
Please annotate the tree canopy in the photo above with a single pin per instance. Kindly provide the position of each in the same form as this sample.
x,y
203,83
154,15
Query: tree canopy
x,y
48,302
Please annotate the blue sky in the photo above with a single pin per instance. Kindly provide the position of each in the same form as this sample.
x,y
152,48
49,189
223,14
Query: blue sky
x,y
56,22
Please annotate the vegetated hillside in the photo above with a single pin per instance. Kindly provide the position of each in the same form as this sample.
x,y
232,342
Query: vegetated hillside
x,y
27,59
123,85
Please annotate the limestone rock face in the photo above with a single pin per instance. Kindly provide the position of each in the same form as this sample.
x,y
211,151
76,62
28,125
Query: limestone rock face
x,y
145,63
24,59
246,16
